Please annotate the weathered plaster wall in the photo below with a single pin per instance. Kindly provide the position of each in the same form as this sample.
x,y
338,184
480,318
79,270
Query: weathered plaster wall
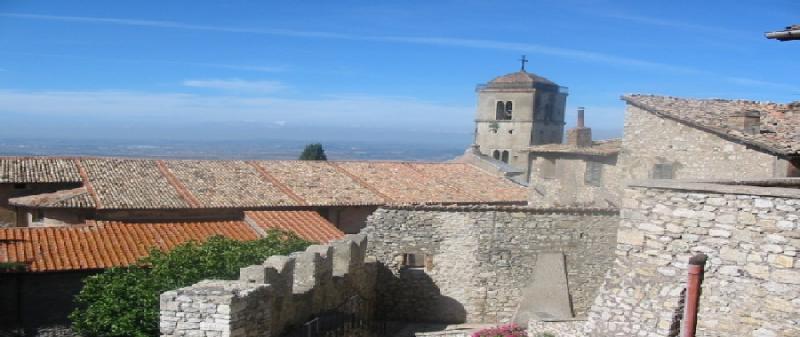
x,y
752,278
284,291
481,257
695,154
568,187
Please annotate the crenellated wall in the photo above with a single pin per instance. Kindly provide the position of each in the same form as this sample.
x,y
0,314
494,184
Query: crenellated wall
x,y
283,292
479,259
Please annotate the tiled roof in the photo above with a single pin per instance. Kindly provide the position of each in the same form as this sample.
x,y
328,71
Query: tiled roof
x,y
402,183
308,225
780,123
38,170
218,184
105,244
520,77
176,184
599,148
320,183
73,198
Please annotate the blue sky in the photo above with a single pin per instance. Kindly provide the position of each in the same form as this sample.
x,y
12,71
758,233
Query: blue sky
x,y
113,68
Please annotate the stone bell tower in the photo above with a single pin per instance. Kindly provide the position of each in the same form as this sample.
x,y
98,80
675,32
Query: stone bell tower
x,y
516,111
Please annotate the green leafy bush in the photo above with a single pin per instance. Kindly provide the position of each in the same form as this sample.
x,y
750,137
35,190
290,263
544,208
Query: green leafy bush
x,y
313,152
124,301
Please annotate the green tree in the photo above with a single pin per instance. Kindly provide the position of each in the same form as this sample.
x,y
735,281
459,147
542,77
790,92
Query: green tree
x,y
124,301
313,152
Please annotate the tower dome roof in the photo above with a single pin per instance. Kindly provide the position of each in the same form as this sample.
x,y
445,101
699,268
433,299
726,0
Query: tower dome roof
x,y
520,77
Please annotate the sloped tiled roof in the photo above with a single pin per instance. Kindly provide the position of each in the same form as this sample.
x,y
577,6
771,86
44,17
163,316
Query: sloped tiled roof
x,y
308,225
112,183
73,198
320,183
780,123
520,77
38,170
105,244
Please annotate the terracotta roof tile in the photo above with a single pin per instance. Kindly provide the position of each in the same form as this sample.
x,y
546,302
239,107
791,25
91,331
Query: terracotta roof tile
x,y
218,184
149,184
130,183
309,225
38,170
107,243
319,183
780,123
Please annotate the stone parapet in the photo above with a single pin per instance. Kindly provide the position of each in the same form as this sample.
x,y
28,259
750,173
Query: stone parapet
x,y
283,291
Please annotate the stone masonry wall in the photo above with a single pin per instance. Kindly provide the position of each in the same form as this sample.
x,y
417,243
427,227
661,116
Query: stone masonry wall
x,y
478,259
695,154
569,188
283,292
752,277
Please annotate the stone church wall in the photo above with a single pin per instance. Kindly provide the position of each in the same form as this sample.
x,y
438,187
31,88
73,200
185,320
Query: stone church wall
x,y
694,154
478,259
752,277
283,292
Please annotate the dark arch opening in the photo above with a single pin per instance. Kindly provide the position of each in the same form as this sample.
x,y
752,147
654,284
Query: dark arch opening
x,y
505,157
509,109
496,154
500,111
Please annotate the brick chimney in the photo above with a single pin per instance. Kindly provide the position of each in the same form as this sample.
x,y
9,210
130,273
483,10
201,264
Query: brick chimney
x,y
747,121
580,136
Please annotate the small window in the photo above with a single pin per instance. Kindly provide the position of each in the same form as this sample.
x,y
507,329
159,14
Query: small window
x,y
663,171
594,174
496,154
509,109
412,260
504,157
547,168
20,186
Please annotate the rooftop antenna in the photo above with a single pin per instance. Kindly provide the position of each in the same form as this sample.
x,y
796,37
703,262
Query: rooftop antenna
x,y
523,60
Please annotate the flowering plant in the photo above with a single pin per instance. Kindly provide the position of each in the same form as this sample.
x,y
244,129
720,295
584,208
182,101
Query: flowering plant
x,y
508,330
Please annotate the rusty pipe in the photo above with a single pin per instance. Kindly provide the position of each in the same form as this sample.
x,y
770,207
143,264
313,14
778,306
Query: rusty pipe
x,y
695,271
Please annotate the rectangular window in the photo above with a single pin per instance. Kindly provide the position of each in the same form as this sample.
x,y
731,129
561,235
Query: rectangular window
x,y
547,168
594,174
20,186
663,171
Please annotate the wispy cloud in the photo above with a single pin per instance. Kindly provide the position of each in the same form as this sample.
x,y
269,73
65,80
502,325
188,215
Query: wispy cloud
x,y
342,110
676,24
762,84
236,84
578,54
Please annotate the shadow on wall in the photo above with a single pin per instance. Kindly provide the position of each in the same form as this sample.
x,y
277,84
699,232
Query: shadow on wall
x,y
411,295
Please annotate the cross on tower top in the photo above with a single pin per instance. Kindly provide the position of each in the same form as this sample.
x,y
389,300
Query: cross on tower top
x,y
523,60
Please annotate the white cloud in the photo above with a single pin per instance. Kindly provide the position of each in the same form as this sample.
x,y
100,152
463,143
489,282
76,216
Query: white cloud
x,y
236,84
374,111
436,41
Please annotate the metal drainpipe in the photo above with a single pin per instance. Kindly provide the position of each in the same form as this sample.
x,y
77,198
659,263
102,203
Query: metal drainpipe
x,y
696,265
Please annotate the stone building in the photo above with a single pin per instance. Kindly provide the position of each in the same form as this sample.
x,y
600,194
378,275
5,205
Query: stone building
x,y
679,138
581,172
516,111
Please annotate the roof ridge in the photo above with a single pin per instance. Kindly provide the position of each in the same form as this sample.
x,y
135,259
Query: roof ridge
x,y
185,194
274,181
87,183
362,182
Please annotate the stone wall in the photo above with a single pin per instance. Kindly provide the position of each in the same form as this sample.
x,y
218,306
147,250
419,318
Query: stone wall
x,y
568,187
752,278
566,328
477,259
694,154
282,293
